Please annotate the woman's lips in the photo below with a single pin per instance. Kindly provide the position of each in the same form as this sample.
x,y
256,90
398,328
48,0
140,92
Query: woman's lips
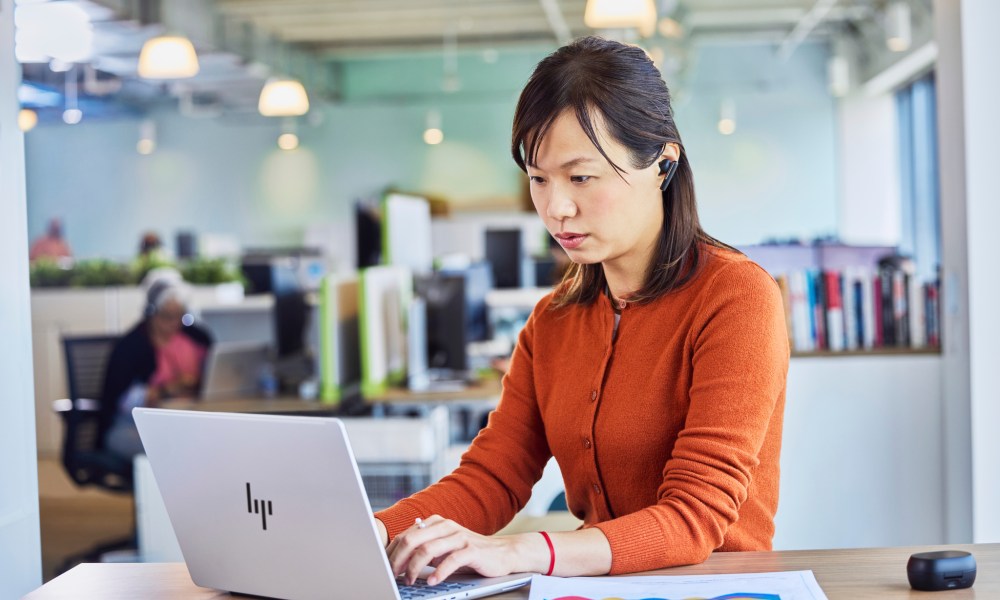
x,y
570,241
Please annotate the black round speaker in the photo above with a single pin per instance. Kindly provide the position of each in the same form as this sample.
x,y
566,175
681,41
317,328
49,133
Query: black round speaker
x,y
942,570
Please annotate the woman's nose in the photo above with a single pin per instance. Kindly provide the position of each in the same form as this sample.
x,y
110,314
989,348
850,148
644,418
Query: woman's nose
x,y
561,206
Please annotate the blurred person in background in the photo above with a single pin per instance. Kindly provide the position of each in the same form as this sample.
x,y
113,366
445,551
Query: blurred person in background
x,y
51,245
161,357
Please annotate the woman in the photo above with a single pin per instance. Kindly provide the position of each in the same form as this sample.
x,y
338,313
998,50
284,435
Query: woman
x,y
160,357
654,374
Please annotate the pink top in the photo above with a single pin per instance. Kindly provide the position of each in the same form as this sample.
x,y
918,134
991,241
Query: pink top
x,y
180,358
49,247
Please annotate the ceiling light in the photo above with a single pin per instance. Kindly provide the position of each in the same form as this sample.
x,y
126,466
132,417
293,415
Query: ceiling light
x,y
897,26
283,98
288,141
53,30
27,119
168,57
72,116
670,28
72,113
620,14
433,135
147,138
838,72
59,66
727,117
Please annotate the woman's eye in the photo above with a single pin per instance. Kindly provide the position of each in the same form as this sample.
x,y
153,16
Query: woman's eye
x,y
580,178
536,179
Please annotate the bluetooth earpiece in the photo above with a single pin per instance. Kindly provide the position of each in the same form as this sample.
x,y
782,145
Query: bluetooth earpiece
x,y
667,169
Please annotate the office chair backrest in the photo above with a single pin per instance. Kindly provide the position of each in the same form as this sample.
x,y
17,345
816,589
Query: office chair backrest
x,y
84,459
86,361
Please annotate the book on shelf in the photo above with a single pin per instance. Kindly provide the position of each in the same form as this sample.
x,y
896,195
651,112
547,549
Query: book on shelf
x,y
860,308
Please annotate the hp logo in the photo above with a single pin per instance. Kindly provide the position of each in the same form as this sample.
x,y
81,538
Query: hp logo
x,y
262,507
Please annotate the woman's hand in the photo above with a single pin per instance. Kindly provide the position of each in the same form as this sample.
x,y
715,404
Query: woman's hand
x,y
383,533
153,396
183,386
447,546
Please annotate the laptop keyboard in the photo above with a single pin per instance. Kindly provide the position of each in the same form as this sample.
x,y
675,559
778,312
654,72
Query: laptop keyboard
x,y
420,589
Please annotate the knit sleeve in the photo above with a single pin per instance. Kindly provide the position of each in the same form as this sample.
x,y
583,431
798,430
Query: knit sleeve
x,y
495,477
739,364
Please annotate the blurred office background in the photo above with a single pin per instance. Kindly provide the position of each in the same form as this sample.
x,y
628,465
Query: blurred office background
x,y
838,142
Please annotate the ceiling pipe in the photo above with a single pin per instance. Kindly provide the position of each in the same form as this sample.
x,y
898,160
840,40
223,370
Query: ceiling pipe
x,y
557,21
804,27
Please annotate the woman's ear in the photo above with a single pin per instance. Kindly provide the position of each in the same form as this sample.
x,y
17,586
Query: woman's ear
x,y
671,151
668,164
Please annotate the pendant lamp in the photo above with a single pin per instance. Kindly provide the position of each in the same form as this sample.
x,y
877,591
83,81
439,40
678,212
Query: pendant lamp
x,y
168,57
283,98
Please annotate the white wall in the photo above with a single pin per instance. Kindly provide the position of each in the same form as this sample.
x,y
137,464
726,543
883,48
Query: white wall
x,y
20,546
968,128
868,201
861,459
956,421
980,48
776,175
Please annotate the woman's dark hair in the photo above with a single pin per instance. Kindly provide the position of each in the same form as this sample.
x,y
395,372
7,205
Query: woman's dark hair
x,y
619,84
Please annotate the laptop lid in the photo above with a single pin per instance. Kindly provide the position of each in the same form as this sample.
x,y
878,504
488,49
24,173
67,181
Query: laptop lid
x,y
233,369
272,505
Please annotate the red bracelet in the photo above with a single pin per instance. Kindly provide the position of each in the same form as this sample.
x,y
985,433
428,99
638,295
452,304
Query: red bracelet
x,y
552,553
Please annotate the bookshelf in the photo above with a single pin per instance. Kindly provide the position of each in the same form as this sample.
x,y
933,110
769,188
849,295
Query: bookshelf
x,y
928,350
852,300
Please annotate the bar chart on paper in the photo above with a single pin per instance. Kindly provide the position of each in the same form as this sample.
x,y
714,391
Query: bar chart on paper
x,y
787,585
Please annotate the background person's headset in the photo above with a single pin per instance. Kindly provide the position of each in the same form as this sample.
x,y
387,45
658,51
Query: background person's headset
x,y
153,294
154,297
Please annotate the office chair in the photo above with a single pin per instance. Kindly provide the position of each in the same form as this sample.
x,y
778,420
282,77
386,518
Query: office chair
x,y
85,460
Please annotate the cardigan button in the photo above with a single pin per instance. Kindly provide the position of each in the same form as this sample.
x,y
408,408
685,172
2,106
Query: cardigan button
x,y
597,489
586,443
593,395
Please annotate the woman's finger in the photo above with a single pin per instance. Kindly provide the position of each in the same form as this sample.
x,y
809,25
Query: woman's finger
x,y
455,560
433,549
413,538
418,524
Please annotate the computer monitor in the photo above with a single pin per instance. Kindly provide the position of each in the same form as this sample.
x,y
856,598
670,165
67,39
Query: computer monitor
x,y
295,358
406,232
187,244
291,317
368,229
478,283
445,300
280,270
503,251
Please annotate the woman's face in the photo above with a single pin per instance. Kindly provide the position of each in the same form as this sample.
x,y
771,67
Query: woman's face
x,y
595,214
167,321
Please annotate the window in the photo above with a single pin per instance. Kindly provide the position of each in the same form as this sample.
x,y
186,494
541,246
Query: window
x,y
921,238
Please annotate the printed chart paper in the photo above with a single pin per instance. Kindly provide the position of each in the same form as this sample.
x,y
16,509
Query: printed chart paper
x,y
786,585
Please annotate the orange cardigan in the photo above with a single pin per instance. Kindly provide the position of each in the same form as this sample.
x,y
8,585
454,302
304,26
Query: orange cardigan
x,y
668,437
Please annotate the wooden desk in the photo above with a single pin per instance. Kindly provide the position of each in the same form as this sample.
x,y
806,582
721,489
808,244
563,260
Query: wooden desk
x,y
862,574
488,388
253,405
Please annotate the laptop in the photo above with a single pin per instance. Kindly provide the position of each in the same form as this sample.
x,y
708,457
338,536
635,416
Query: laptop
x,y
274,506
233,369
